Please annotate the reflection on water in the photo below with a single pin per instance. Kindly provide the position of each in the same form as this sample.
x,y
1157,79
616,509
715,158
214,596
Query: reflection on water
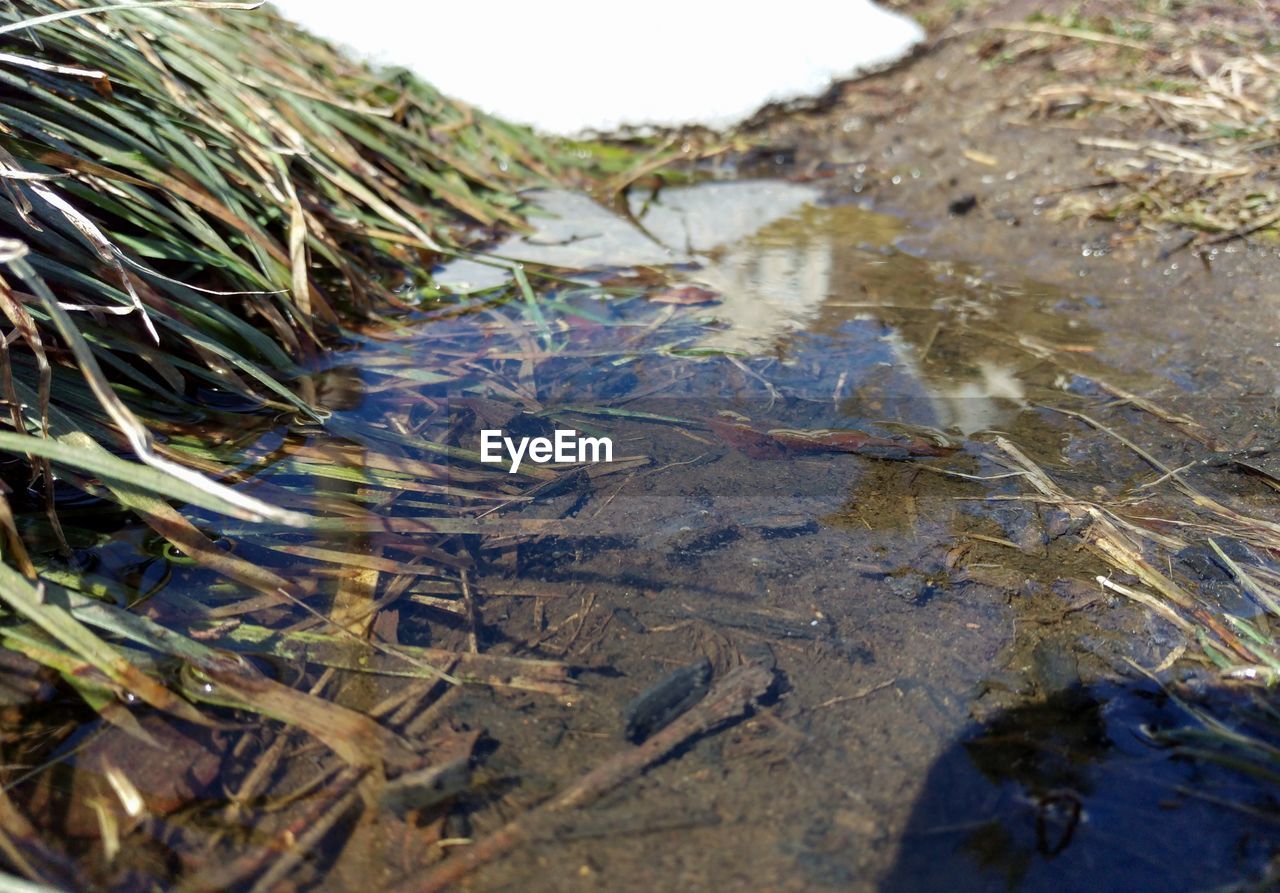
x,y
707,547
776,280
682,225
780,266
843,570
982,404
800,481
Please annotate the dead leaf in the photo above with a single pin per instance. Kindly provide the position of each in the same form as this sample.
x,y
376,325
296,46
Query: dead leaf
x,y
684,295
778,442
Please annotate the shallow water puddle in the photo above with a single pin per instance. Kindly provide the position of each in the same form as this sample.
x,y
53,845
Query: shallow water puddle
x,y
802,479
939,714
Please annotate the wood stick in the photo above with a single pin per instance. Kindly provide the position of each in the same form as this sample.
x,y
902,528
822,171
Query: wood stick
x,y
730,699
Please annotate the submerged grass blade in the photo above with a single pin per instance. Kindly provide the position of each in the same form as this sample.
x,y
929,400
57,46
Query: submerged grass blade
x,y
29,601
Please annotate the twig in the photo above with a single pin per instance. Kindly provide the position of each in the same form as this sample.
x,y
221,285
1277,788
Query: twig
x,y
473,641
1075,33
858,695
731,698
239,870
306,841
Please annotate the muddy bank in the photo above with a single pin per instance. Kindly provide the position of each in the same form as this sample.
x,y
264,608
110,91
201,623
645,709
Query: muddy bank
x,y
955,140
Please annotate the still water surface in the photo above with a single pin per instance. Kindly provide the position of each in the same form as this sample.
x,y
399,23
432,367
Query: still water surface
x,y
806,475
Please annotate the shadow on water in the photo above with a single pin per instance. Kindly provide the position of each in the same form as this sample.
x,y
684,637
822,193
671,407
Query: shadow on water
x,y
1072,794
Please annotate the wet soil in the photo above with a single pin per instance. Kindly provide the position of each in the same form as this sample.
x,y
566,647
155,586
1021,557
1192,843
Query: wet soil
x,y
951,141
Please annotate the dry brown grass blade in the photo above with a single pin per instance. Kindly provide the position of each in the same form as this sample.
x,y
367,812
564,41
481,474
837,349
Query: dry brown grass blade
x,y
1102,534
1206,81
13,539
13,309
1105,538
357,739
1266,533
343,651
1073,33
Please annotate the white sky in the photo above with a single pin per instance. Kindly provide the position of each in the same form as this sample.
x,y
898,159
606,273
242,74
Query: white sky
x,y
569,65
